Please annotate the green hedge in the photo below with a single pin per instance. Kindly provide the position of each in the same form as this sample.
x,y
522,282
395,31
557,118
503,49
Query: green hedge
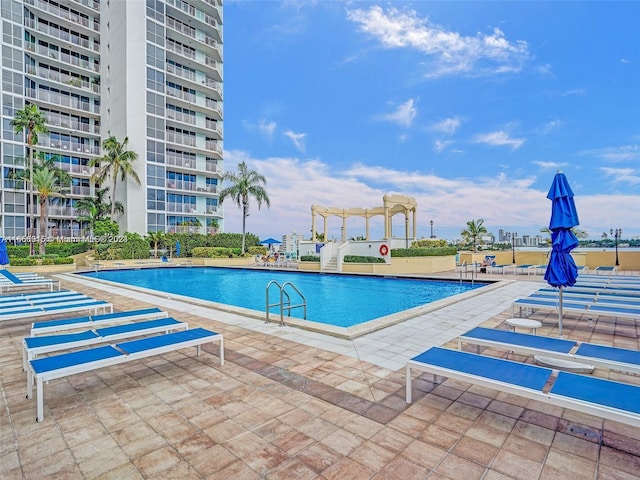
x,y
63,260
429,243
362,259
215,252
310,258
54,248
23,262
424,252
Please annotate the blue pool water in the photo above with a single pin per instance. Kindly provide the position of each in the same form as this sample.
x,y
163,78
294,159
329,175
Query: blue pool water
x,y
340,300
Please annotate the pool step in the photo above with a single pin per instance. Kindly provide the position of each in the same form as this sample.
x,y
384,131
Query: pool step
x,y
332,265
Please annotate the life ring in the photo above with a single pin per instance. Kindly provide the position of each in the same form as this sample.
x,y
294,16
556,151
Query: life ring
x,y
384,250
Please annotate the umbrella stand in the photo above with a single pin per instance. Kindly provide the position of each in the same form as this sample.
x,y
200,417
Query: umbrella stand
x,y
560,311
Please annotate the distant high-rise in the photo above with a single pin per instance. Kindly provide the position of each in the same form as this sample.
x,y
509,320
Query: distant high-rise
x,y
147,70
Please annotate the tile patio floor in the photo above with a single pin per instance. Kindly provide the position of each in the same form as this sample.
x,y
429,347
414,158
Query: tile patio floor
x,y
290,404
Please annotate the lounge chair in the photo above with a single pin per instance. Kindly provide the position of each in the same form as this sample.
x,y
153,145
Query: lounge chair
x,y
594,396
501,268
605,269
9,281
527,268
616,301
34,346
55,308
65,364
17,297
17,305
540,269
592,309
95,321
600,289
602,356
593,296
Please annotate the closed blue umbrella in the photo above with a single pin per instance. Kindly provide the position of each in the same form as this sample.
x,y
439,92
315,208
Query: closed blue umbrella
x,y
178,248
4,256
562,270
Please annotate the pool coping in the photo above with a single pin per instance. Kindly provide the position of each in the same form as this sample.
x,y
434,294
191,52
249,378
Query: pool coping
x,y
346,333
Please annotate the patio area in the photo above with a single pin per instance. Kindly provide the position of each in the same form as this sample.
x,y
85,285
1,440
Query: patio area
x,y
291,404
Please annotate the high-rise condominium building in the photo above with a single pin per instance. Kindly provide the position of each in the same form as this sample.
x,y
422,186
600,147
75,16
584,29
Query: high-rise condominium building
x,y
146,70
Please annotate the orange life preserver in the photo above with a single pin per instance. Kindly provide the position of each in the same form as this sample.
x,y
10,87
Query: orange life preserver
x,y
384,249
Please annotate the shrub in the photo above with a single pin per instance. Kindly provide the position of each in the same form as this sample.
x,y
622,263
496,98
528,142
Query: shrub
x,y
424,252
23,262
212,252
429,243
18,251
362,259
310,258
63,260
47,261
66,249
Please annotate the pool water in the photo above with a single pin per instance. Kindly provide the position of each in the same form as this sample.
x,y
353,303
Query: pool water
x,y
339,300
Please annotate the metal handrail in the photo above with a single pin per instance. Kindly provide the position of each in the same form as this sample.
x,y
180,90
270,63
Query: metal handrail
x,y
282,304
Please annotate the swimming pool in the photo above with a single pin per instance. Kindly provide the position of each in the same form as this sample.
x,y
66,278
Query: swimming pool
x,y
338,300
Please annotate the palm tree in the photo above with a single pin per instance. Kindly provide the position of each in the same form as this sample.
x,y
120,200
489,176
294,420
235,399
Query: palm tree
x,y
93,209
244,184
31,120
474,232
118,161
156,238
48,182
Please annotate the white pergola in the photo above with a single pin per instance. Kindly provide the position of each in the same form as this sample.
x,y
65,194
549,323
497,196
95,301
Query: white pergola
x,y
392,205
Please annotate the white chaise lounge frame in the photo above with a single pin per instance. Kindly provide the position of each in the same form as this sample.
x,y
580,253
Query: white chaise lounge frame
x,y
544,395
114,355
58,343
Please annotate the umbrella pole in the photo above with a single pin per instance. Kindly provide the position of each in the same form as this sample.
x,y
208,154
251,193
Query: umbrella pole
x,y
560,310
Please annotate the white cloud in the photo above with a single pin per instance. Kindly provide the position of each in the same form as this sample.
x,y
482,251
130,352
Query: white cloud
x,y
551,125
448,125
550,165
441,145
503,201
498,139
449,52
624,153
622,175
267,128
403,115
297,139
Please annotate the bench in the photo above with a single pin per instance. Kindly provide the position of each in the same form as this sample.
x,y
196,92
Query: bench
x,y
34,346
594,396
58,366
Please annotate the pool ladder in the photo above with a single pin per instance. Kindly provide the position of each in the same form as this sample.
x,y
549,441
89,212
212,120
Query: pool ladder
x,y
285,300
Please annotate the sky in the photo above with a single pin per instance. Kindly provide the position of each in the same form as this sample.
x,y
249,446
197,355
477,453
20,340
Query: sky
x,y
469,107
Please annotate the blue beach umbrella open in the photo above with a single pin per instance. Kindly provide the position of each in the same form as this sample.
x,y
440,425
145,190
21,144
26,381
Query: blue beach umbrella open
x,y
4,256
562,270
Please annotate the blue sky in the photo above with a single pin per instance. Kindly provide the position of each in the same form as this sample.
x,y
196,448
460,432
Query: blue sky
x,y
469,107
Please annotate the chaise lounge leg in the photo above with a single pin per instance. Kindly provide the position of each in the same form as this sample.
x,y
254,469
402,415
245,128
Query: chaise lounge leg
x,y
408,384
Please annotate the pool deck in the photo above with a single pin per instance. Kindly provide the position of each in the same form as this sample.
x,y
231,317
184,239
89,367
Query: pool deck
x,y
294,404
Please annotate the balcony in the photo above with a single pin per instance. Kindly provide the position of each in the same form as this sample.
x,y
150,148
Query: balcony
x,y
64,78
67,146
181,94
208,189
180,139
63,57
181,185
182,162
62,35
58,99
181,208
181,117
65,14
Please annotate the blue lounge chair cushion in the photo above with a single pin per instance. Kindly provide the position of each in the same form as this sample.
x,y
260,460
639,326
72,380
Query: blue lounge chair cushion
x,y
522,339
132,327
595,390
128,313
523,375
10,276
63,321
34,342
621,355
135,346
57,362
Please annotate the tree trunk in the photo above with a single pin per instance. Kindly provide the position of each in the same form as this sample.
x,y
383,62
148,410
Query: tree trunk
x,y
43,225
245,208
113,196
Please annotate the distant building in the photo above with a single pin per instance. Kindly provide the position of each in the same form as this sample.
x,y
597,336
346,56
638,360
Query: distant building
x,y
290,244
